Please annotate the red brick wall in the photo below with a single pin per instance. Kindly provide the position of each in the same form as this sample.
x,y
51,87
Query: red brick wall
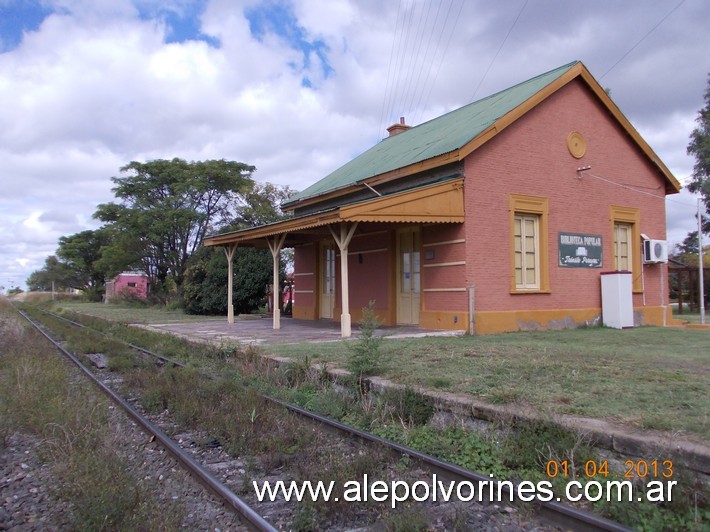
x,y
121,285
438,273
531,157
369,279
305,275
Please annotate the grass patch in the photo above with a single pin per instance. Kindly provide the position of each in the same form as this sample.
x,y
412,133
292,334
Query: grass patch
x,y
256,425
125,313
513,368
38,395
648,377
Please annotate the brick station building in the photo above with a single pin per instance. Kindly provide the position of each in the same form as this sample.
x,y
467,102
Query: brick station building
x,y
498,216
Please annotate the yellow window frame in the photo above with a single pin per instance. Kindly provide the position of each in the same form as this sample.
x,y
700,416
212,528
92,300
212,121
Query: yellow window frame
x,y
619,214
522,204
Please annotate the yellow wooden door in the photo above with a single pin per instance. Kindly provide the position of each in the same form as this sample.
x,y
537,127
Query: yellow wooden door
x,y
408,276
327,282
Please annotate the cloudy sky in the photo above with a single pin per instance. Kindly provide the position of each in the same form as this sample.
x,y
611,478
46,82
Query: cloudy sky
x,y
297,88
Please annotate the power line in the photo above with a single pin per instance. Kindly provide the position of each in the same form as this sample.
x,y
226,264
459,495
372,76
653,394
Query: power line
x,y
389,72
642,38
415,57
425,63
401,53
448,43
510,30
633,188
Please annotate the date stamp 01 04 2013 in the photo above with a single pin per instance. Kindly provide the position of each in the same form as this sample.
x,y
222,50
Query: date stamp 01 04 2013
x,y
655,475
633,469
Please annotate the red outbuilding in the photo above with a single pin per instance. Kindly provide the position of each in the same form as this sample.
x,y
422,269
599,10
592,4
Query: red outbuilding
x,y
128,284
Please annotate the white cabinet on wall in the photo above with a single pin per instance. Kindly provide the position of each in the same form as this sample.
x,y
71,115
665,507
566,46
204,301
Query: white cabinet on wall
x,y
617,299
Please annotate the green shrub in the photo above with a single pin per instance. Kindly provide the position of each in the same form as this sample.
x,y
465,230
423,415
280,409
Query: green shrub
x,y
364,357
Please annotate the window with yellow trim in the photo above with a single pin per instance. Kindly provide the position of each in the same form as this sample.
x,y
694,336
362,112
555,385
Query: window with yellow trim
x,y
528,246
622,247
626,236
527,251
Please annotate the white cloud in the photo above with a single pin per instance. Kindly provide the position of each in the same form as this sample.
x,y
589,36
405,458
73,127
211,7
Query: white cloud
x,y
96,86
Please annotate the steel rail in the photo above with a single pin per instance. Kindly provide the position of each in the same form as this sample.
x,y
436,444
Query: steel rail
x,y
160,357
554,512
251,518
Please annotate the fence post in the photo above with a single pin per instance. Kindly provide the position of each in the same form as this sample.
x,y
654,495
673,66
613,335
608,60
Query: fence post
x,y
471,310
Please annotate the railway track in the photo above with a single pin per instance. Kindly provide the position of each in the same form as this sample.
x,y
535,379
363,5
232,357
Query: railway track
x,y
161,359
248,515
554,513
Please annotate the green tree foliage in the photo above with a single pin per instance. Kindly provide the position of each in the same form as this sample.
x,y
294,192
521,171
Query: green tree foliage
x,y
365,357
81,252
165,209
205,286
120,254
63,276
260,206
699,147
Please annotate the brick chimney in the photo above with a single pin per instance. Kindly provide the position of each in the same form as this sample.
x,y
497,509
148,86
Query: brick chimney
x,y
395,129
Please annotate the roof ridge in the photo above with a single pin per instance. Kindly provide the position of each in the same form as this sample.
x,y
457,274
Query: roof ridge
x,y
428,139
490,96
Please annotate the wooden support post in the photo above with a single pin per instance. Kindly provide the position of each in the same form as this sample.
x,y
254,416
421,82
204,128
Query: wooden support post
x,y
472,310
229,252
343,240
275,248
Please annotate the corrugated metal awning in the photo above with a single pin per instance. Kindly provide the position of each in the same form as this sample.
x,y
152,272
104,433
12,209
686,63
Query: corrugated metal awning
x,y
438,203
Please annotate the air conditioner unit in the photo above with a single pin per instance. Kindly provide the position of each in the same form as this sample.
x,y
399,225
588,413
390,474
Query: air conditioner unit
x,y
655,251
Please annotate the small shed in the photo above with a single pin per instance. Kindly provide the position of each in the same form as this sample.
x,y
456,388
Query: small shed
x,y
133,284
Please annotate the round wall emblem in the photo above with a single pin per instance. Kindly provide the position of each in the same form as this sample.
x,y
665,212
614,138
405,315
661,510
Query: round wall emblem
x,y
576,144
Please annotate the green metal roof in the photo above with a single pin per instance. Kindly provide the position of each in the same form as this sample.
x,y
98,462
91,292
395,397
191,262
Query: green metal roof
x,y
436,137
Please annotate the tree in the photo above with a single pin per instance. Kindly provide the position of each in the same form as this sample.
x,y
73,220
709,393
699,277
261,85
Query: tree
x,y
204,290
165,209
81,252
260,206
61,274
699,147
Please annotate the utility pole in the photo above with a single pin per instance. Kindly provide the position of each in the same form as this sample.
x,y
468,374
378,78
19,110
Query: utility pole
x,y
701,281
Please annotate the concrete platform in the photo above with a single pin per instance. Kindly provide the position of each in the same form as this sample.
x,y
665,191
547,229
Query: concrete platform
x,y
259,331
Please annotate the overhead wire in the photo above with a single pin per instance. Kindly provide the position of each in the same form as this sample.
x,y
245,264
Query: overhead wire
x,y
405,90
642,39
435,54
415,59
445,49
389,72
633,188
402,52
406,82
510,30
425,63
396,52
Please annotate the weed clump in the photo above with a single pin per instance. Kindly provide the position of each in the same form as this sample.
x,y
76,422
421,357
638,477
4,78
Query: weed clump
x,y
80,440
408,406
364,357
